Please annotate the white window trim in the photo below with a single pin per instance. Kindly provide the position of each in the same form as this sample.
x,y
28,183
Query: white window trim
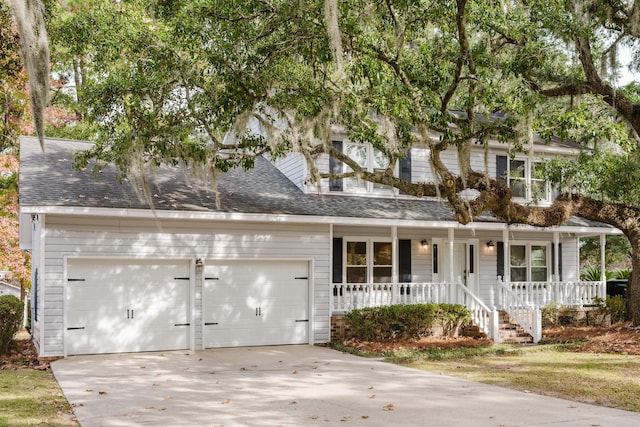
x,y
369,186
527,254
369,241
528,180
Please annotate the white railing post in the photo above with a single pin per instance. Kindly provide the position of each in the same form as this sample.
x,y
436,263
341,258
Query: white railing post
x,y
537,326
494,326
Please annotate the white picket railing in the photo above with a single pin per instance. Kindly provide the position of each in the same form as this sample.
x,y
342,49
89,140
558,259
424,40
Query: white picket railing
x,y
521,300
529,317
570,294
484,317
347,297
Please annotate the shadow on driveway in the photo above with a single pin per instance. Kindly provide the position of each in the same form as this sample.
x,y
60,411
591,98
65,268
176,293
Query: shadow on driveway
x,y
298,386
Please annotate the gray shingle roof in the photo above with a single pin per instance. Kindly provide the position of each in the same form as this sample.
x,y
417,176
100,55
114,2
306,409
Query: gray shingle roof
x,y
48,179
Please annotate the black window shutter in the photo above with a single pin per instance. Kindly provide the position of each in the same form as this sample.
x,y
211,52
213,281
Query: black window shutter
x,y
404,261
405,167
435,259
560,260
500,246
335,167
553,258
501,168
337,260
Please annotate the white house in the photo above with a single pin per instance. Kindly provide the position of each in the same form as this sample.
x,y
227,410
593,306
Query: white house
x,y
272,260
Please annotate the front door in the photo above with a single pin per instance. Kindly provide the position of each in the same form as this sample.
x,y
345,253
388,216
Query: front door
x,y
465,262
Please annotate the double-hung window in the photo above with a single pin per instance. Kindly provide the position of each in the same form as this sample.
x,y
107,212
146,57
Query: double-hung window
x,y
524,177
370,160
529,262
368,260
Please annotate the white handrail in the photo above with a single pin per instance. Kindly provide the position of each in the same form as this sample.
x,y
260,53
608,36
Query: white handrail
x,y
483,316
525,314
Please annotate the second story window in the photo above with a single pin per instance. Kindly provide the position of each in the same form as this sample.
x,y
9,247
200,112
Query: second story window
x,y
523,177
369,159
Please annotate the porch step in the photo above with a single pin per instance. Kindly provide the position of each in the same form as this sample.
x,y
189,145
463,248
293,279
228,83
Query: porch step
x,y
510,332
472,331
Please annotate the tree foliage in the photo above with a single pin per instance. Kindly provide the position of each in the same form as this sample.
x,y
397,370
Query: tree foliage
x,y
168,82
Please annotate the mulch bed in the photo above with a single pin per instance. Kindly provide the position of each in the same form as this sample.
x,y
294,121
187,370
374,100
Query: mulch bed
x,y
620,338
24,356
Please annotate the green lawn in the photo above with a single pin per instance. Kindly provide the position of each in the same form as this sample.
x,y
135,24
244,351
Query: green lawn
x,y
601,379
32,398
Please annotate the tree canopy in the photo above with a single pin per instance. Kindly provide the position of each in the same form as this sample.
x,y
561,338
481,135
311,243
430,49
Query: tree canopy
x,y
167,81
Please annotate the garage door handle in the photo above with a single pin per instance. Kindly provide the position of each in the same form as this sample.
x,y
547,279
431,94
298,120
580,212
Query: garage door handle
x,y
301,278
181,324
75,328
210,323
302,320
211,278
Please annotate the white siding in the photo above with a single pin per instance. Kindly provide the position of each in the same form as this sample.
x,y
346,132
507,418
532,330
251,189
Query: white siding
x,y
293,167
174,239
570,260
421,262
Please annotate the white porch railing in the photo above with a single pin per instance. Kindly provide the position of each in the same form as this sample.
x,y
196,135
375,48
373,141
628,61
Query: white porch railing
x,y
484,317
570,294
347,297
529,317
354,296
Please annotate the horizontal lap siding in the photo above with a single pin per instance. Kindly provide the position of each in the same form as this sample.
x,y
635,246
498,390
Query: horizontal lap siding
x,y
292,166
180,239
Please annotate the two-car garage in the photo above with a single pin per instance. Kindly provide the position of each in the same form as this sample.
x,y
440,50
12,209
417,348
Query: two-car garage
x,y
133,305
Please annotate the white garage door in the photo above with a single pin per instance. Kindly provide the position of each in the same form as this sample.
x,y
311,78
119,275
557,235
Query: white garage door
x,y
118,306
256,303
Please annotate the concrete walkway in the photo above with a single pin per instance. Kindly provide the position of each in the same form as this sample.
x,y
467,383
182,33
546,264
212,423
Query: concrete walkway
x,y
298,386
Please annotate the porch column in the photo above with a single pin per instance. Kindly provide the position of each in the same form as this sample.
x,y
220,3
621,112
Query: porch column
x,y
452,287
506,274
394,254
506,261
603,244
556,257
331,297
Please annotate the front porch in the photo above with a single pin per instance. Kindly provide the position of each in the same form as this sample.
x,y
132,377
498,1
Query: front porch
x,y
523,301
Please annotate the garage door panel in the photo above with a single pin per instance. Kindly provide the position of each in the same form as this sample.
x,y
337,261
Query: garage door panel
x,y
127,305
255,303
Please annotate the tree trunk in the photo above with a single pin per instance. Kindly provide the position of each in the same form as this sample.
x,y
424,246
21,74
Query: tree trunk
x,y
633,288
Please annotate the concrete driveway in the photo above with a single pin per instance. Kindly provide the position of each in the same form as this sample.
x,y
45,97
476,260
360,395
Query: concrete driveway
x,y
298,386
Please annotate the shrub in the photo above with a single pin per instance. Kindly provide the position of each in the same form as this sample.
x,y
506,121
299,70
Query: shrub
x,y
392,322
10,320
623,273
617,308
550,313
452,317
592,274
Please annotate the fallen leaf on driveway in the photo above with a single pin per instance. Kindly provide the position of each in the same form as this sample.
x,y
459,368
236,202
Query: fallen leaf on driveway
x,y
388,407
224,402
314,417
295,372
345,418
89,389
373,396
102,393
364,417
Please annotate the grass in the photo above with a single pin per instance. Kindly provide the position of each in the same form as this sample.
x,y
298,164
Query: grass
x,y
601,379
32,398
